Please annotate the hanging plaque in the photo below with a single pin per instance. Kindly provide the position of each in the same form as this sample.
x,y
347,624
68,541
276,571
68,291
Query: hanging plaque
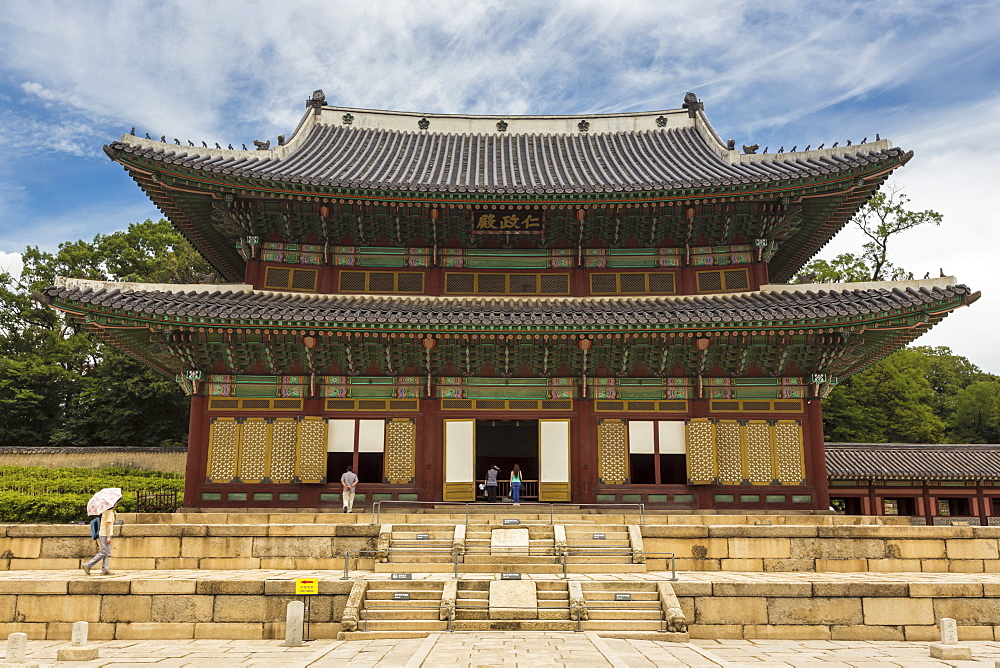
x,y
623,597
507,221
401,576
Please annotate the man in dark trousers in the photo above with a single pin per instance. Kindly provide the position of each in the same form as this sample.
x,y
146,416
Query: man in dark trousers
x,y
349,482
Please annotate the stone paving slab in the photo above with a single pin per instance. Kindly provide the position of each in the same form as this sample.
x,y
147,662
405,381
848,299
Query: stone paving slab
x,y
516,649
334,573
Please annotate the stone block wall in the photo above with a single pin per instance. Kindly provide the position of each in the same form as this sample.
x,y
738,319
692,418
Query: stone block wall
x,y
190,546
164,609
838,610
781,548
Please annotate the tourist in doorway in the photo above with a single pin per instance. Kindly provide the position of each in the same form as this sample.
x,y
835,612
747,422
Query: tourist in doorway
x,y
491,484
515,485
349,481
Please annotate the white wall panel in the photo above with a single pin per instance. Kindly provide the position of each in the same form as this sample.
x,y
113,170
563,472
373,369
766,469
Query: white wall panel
x,y
672,438
640,437
340,436
459,449
553,451
371,435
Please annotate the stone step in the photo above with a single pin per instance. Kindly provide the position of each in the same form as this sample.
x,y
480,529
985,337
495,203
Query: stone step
x,y
425,542
415,567
433,558
382,635
552,595
508,558
554,613
384,597
390,625
623,625
597,598
474,594
616,586
601,615
408,614
514,625
405,585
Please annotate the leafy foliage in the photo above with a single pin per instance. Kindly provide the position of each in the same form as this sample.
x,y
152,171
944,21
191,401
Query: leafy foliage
x,y
881,219
36,494
59,386
916,395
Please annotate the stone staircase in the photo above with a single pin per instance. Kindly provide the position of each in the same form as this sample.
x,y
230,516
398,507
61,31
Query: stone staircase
x,y
415,608
428,548
386,611
606,612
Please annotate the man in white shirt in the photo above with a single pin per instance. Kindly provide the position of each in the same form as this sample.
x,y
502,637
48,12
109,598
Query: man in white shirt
x,y
349,481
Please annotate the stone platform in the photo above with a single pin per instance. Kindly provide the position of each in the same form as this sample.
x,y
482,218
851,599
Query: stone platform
x,y
251,604
231,575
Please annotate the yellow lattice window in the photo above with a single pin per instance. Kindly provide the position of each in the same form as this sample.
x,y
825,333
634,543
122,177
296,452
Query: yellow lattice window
x,y
284,434
381,281
788,457
700,437
729,451
612,442
310,461
223,449
758,452
633,282
729,280
511,284
400,451
284,278
254,443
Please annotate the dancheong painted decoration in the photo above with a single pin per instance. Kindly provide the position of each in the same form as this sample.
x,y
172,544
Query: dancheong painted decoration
x,y
602,300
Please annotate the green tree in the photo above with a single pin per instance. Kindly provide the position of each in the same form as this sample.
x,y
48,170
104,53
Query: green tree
x,y
977,413
881,219
52,381
888,402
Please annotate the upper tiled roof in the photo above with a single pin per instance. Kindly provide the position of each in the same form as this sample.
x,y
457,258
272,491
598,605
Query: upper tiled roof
x,y
539,155
900,461
776,304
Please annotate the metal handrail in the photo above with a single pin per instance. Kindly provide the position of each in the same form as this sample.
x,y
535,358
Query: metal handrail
x,y
347,561
673,562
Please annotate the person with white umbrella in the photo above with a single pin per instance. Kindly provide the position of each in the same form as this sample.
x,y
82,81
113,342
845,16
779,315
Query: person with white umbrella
x,y
103,504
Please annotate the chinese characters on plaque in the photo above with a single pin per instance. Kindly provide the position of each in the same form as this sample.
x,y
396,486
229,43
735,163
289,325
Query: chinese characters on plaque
x,y
505,221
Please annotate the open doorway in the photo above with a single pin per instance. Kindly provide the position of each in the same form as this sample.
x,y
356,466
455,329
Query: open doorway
x,y
504,443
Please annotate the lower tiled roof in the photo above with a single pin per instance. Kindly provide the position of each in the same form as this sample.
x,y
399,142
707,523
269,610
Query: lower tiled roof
x,y
772,306
901,461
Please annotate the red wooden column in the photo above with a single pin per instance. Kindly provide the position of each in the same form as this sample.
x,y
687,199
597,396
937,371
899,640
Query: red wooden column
x,y
815,451
583,452
197,451
429,451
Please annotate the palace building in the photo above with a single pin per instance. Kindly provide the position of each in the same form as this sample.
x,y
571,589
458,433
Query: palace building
x,y
601,299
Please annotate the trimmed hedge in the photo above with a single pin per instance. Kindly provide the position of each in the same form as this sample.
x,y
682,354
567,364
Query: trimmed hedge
x,y
60,495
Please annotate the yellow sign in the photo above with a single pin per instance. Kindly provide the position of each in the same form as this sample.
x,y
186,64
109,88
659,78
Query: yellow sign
x,y
489,221
306,586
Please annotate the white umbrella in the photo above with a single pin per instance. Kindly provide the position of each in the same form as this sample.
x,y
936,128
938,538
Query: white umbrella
x,y
103,500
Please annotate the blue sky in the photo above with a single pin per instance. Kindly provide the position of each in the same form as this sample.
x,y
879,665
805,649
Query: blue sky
x,y
74,76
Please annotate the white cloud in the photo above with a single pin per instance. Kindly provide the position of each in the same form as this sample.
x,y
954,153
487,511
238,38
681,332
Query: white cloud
x,y
11,263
